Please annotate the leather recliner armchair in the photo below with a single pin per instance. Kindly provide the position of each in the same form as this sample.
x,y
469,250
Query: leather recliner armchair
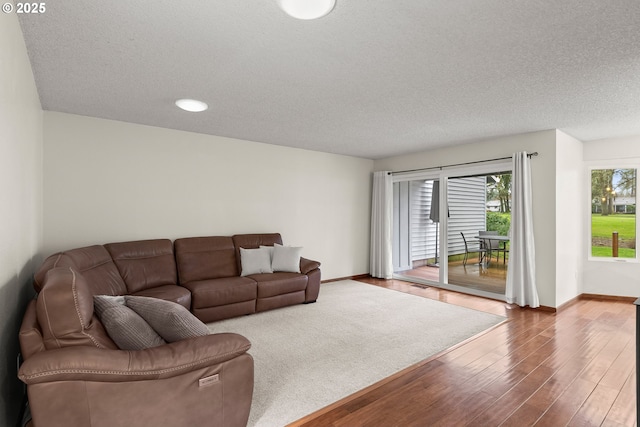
x,y
76,376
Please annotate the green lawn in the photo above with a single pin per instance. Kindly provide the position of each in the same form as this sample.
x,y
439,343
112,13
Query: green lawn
x,y
602,251
603,226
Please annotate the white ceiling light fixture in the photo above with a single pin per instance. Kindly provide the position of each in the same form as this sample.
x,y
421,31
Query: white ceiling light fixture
x,y
192,105
307,9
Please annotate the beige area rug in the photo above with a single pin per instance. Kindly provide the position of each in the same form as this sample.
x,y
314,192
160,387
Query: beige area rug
x,y
310,356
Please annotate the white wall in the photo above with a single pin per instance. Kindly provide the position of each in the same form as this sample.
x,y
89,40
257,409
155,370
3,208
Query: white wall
x,y
569,219
108,181
20,202
609,277
543,171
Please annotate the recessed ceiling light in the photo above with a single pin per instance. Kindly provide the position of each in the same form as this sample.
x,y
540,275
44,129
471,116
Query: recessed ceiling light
x,y
307,9
192,105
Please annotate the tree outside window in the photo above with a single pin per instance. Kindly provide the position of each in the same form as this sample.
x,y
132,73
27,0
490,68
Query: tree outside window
x,y
499,203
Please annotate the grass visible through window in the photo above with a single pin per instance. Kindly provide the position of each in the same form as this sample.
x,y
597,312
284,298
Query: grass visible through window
x,y
601,235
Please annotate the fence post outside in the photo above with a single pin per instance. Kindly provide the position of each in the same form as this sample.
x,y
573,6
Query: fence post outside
x,y
615,244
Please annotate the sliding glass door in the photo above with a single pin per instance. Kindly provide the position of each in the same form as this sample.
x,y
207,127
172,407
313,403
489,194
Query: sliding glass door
x,y
478,228
416,246
450,228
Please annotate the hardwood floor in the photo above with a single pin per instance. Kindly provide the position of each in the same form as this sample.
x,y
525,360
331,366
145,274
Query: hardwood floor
x,y
575,367
489,278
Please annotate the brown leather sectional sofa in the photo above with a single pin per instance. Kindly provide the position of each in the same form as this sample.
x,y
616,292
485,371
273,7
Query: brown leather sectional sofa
x,y
76,375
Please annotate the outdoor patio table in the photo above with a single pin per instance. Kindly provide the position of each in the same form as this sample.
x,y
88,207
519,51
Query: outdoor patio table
x,y
488,238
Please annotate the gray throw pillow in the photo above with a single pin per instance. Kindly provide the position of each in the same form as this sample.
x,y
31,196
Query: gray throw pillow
x,y
286,258
255,261
126,328
170,320
270,249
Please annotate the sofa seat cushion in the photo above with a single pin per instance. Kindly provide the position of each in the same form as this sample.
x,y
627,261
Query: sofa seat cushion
x,y
279,283
217,292
172,293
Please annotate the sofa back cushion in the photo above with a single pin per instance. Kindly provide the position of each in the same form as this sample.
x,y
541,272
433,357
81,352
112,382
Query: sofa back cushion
x,y
202,258
93,262
252,241
65,312
144,264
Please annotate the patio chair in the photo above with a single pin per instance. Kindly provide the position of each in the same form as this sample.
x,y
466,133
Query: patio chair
x,y
492,246
481,251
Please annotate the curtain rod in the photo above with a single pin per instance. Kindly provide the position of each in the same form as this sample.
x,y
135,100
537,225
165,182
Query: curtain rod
x,y
461,164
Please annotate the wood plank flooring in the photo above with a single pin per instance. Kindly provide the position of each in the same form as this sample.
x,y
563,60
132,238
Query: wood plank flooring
x,y
488,278
571,368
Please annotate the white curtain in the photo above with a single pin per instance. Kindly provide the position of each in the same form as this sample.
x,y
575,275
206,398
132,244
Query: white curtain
x,y
381,264
521,272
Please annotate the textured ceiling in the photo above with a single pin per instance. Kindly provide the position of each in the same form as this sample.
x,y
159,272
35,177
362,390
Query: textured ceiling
x,y
371,79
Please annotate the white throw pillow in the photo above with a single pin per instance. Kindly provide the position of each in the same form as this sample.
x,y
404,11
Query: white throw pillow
x,y
286,258
270,249
255,261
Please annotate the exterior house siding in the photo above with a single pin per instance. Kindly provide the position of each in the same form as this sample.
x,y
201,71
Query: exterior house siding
x,y
467,210
467,214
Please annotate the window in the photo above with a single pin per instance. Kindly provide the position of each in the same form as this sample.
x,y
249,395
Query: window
x,y
613,213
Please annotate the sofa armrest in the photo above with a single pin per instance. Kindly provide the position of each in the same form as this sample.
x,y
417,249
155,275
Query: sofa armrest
x,y
307,265
93,364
